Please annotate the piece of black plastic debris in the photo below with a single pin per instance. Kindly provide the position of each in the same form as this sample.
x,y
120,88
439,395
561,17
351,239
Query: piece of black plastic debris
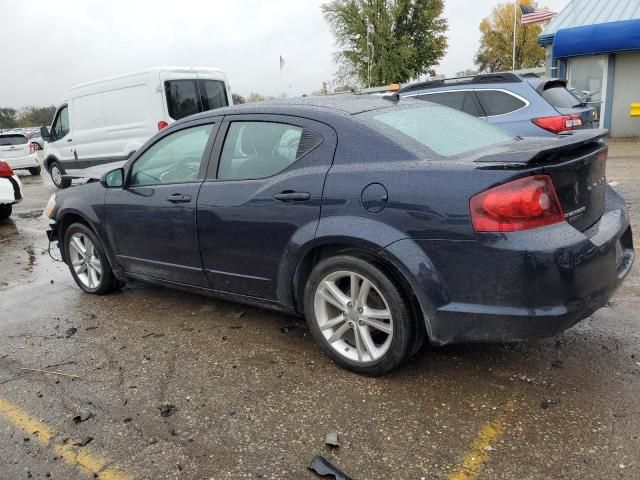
x,y
332,439
82,416
325,468
167,409
71,332
83,441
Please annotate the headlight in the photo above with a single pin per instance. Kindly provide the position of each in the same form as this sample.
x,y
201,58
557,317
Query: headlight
x,y
51,205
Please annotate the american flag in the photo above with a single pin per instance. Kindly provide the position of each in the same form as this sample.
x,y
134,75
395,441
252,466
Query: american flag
x,y
534,15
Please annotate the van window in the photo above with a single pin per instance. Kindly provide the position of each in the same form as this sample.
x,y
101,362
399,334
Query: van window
x,y
495,102
12,140
443,130
61,123
187,97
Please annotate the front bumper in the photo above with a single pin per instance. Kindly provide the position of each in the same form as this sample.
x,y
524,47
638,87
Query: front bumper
x,y
27,161
522,285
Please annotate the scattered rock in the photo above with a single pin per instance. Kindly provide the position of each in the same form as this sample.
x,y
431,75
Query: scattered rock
x,y
556,363
489,448
151,441
287,328
71,332
83,442
167,409
547,403
127,419
332,439
83,416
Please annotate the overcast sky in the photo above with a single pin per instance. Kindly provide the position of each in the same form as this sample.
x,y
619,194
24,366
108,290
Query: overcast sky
x,y
47,47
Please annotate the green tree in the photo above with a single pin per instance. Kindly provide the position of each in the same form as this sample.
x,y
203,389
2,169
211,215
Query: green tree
x,y
405,37
237,99
8,118
496,42
36,116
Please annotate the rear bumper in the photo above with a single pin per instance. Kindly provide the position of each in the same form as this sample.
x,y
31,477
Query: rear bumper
x,y
522,285
27,161
10,190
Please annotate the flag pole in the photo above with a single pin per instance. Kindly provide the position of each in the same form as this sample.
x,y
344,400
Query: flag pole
x,y
515,17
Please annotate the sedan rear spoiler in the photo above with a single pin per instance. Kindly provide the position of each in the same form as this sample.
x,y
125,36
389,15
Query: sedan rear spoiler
x,y
537,150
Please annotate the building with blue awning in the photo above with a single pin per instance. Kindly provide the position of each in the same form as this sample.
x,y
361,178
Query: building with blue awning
x,y
595,45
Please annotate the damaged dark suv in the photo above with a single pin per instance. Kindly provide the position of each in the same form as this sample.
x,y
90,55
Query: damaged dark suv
x,y
385,222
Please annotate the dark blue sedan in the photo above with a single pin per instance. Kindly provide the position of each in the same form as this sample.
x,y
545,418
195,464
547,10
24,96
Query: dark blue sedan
x,y
383,221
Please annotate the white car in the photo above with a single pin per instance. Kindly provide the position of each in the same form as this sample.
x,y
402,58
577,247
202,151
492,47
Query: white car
x,y
108,120
10,190
19,152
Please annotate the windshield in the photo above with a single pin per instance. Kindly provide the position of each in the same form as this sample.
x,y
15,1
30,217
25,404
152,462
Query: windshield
x,y
444,130
12,140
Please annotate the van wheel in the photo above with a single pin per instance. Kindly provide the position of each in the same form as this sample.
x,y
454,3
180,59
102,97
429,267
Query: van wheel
x,y
35,170
358,315
56,175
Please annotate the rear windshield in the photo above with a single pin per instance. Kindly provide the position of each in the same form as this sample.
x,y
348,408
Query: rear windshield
x,y
12,140
560,97
444,130
187,97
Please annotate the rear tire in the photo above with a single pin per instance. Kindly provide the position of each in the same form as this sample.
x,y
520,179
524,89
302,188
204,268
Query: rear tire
x,y
371,332
5,211
35,170
56,171
87,261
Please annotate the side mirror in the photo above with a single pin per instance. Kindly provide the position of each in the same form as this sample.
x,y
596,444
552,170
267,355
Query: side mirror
x,y
44,133
113,178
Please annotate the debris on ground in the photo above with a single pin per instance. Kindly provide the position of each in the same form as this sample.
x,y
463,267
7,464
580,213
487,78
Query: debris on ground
x,y
489,448
556,363
83,442
325,468
83,416
547,403
287,328
71,332
167,409
332,439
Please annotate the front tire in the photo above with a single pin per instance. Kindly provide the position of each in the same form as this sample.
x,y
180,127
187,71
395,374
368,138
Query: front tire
x,y
358,315
56,171
35,170
5,211
87,261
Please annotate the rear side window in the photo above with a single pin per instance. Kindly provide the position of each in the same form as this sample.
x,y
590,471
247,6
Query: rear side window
x,y
188,97
462,101
6,140
498,103
444,130
261,149
560,97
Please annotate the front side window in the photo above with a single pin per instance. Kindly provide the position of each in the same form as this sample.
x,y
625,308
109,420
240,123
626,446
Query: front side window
x,y
498,103
61,124
443,130
174,159
262,149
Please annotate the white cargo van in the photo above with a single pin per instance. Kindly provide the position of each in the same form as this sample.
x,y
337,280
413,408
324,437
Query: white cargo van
x,y
108,120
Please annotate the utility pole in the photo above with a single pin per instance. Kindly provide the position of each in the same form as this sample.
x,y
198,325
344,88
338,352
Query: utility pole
x,y
515,21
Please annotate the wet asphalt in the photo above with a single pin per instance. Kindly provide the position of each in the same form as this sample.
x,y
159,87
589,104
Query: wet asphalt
x,y
255,400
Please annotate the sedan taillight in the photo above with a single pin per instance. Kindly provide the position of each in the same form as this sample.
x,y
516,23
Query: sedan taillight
x,y
5,170
558,123
522,204
32,148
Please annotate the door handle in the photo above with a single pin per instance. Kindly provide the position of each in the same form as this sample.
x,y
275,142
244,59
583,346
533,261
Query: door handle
x,y
290,196
179,198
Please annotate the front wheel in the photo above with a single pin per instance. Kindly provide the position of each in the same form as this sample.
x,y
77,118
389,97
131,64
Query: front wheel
x,y
358,315
87,261
56,176
5,211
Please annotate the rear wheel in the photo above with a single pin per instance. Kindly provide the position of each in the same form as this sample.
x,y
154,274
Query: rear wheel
x,y
56,175
358,315
87,261
5,211
35,170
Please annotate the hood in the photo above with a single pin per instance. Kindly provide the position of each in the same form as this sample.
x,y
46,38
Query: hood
x,y
94,172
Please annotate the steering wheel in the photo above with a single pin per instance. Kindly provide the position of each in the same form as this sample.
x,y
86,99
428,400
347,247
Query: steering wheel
x,y
187,169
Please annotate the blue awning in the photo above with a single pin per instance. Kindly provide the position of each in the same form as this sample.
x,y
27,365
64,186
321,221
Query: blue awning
x,y
594,39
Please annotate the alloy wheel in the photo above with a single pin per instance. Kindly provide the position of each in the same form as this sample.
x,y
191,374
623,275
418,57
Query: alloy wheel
x,y
85,260
56,175
353,316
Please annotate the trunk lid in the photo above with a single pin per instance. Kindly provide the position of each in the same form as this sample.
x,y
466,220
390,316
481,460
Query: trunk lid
x,y
576,163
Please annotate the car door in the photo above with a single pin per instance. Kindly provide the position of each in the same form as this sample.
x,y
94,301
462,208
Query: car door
x,y
61,140
260,198
152,219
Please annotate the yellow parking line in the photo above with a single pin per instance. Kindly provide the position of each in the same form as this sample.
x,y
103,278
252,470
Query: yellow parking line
x,y
44,434
475,458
